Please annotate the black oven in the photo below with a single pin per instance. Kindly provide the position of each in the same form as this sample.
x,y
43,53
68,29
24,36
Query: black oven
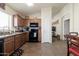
x,y
33,33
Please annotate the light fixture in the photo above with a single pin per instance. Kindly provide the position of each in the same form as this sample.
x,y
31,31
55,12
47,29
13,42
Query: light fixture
x,y
30,4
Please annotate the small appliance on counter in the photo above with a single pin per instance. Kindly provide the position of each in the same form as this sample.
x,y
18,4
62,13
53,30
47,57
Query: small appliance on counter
x,y
23,29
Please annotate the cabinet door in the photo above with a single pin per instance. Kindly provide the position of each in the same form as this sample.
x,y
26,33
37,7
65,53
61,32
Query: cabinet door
x,y
26,37
23,36
22,39
19,21
23,22
9,45
17,41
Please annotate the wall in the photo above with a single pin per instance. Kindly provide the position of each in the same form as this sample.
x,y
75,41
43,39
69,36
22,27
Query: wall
x,y
46,25
76,17
65,13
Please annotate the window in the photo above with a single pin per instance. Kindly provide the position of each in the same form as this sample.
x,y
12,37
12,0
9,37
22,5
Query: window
x,y
5,21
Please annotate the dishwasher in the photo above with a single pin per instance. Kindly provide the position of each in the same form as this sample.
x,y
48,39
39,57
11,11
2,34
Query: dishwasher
x,y
1,47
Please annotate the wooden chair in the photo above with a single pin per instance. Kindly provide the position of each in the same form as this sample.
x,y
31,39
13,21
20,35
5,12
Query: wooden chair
x,y
72,43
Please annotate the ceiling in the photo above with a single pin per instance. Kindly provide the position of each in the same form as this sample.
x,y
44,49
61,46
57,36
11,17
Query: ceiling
x,y
26,10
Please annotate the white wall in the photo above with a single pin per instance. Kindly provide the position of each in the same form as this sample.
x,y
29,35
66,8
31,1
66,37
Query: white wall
x,y
46,18
65,13
76,17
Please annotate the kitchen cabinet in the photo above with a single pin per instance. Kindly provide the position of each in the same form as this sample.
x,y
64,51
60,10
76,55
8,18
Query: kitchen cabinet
x,y
19,21
27,36
20,40
24,38
11,43
8,45
17,41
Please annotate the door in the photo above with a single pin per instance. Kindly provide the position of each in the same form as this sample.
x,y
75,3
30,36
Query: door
x,y
66,26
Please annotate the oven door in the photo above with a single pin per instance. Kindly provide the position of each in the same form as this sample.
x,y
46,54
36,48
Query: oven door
x,y
33,35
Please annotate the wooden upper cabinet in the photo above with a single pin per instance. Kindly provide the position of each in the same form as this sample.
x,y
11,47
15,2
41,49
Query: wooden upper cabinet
x,y
23,22
19,21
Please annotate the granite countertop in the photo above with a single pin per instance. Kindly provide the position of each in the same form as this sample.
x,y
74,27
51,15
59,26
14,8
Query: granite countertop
x,y
16,33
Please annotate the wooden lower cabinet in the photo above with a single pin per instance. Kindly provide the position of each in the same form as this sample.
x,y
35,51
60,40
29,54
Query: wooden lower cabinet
x,y
17,42
27,37
23,38
20,40
14,42
8,45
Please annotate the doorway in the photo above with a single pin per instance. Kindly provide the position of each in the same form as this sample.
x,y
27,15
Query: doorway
x,y
66,26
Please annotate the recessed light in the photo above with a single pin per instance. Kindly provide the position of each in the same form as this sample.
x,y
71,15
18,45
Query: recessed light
x,y
30,4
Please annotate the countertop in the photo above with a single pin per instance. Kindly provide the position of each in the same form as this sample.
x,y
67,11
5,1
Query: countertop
x,y
16,33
